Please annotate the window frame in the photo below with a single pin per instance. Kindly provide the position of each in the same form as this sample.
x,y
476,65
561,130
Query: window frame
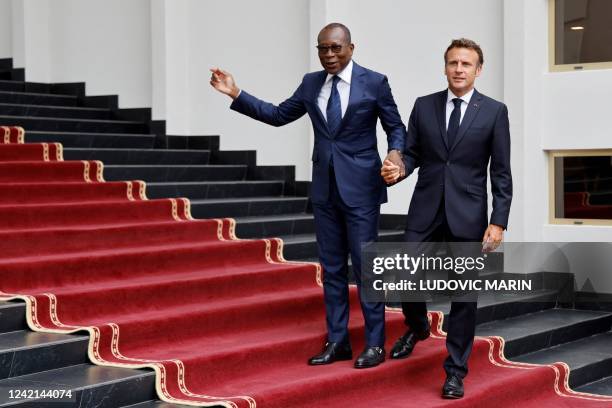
x,y
552,44
552,154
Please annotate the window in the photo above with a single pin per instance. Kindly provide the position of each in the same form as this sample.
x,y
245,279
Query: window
x,y
580,34
581,187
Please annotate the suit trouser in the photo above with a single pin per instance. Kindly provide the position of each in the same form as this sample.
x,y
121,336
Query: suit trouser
x,y
462,317
341,230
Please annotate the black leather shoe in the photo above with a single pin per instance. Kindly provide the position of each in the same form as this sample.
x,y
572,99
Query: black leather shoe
x,y
453,387
332,352
404,345
370,357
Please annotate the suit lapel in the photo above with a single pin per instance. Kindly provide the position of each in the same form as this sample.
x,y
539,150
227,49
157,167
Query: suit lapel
x,y
441,115
468,118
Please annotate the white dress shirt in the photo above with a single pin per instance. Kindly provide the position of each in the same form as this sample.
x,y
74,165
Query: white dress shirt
x,y
450,105
344,89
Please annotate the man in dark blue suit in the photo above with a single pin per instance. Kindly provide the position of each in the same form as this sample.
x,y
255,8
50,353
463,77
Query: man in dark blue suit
x,y
344,102
452,136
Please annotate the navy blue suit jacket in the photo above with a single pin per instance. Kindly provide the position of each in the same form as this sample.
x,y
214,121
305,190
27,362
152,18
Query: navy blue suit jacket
x,y
458,174
353,149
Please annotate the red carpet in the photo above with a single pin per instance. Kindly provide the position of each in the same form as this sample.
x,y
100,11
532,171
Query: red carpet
x,y
222,321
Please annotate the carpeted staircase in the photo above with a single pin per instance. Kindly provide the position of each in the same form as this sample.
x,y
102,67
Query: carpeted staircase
x,y
219,320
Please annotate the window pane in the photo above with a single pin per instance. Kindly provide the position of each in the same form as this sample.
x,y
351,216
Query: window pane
x,y
583,31
583,187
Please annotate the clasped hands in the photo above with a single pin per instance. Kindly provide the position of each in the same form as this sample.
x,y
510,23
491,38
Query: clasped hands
x,y
393,168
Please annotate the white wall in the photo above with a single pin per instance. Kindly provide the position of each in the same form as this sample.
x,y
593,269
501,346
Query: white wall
x,y
264,44
105,43
6,28
406,41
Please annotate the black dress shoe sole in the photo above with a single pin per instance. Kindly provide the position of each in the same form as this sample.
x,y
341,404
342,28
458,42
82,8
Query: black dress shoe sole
x,y
331,361
369,365
452,396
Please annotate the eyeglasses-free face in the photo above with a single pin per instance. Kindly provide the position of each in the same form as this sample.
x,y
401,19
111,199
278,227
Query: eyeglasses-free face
x,y
335,52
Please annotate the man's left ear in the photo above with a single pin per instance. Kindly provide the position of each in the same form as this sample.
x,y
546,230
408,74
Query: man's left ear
x,y
352,46
478,70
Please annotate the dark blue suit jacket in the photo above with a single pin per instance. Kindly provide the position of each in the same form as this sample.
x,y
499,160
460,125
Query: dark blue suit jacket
x,y
353,149
458,174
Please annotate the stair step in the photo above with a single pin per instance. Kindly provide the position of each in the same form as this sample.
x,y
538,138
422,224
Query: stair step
x,y
304,246
602,387
155,404
206,142
30,98
215,189
154,173
275,225
493,307
547,328
92,386
247,207
25,352
589,358
8,109
74,125
139,156
88,139
12,316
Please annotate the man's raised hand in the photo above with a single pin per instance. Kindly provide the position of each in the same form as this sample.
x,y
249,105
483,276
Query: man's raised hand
x,y
224,82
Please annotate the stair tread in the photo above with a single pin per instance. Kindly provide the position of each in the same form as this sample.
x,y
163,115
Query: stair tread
x,y
602,387
195,183
538,322
59,132
246,199
79,120
83,108
25,339
77,377
155,404
139,149
40,94
301,238
271,218
576,354
492,299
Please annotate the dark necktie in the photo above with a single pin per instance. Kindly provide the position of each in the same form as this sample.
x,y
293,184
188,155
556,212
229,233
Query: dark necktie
x,y
453,123
334,110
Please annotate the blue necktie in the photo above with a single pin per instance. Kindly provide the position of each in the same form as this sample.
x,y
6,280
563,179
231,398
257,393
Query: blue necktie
x,y
334,109
453,123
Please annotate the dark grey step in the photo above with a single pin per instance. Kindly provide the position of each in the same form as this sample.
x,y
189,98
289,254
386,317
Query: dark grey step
x,y
97,140
602,387
275,225
91,386
589,358
6,63
544,329
247,207
25,352
139,156
7,109
205,142
215,189
152,173
155,404
493,307
304,246
12,316
75,125
29,98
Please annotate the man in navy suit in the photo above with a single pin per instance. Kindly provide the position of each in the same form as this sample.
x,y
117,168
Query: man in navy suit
x,y
344,102
452,136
